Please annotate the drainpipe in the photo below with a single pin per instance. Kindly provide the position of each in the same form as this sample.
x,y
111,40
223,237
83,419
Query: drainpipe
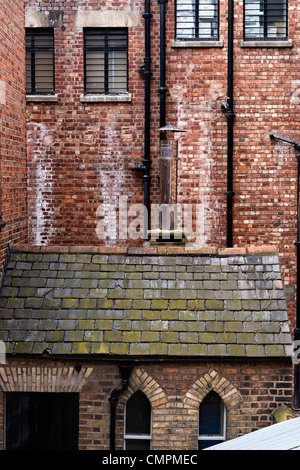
x,y
230,118
145,71
125,371
162,88
297,244
297,329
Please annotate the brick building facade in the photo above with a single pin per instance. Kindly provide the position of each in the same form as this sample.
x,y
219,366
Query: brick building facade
x,y
13,191
76,307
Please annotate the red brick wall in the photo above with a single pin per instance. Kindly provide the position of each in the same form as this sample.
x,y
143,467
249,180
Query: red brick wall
x,y
12,124
80,155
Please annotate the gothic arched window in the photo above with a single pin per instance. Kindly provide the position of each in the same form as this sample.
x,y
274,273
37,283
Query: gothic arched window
x,y
137,429
212,420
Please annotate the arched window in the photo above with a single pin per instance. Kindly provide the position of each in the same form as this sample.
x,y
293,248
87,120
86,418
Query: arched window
x,y
137,429
212,420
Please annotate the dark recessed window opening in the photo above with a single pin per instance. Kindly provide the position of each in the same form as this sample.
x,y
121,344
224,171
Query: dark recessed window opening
x,y
39,62
265,20
106,61
137,433
42,421
197,20
212,420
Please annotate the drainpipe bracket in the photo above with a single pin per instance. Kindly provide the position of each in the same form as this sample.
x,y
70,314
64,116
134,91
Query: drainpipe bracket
x,y
147,15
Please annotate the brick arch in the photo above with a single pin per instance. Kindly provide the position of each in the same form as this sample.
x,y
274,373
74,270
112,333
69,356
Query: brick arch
x,y
141,380
43,379
212,380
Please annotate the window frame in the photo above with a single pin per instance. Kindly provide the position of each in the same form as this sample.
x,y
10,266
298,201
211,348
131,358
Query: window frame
x,y
214,437
32,49
265,37
196,19
106,31
144,437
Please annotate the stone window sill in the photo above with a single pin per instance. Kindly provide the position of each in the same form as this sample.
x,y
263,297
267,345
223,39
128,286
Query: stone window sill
x,y
122,97
200,44
287,43
42,98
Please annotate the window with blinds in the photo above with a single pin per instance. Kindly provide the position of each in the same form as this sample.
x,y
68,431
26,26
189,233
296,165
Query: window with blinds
x,y
197,20
39,61
265,19
106,61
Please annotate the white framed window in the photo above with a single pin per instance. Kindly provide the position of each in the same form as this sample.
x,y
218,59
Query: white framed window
x,y
138,423
212,421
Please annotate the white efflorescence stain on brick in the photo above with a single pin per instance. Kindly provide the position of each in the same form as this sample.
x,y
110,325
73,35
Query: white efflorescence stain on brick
x,y
111,181
197,115
42,205
2,92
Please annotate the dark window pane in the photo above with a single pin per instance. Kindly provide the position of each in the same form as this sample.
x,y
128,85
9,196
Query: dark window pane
x,y
138,444
42,421
208,443
211,415
138,415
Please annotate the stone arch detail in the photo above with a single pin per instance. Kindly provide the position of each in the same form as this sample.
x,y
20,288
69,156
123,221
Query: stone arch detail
x,y
43,379
141,380
212,380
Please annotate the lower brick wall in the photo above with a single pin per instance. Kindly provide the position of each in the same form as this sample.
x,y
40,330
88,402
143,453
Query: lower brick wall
x,y
251,392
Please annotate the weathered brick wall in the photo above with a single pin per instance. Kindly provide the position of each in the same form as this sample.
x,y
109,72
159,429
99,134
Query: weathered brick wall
x,y
175,393
12,124
251,392
80,154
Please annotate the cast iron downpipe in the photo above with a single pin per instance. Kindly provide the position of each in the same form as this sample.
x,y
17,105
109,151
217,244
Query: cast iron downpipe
x,y
297,244
230,118
162,86
125,371
145,71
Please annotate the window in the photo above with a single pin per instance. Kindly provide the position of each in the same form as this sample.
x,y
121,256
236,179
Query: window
x,y
212,420
265,20
137,435
42,421
105,58
39,61
197,20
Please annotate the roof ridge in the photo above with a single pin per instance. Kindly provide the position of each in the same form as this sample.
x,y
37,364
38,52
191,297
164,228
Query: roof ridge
x,y
147,250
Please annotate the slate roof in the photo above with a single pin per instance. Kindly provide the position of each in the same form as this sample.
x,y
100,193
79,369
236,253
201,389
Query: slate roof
x,y
137,302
